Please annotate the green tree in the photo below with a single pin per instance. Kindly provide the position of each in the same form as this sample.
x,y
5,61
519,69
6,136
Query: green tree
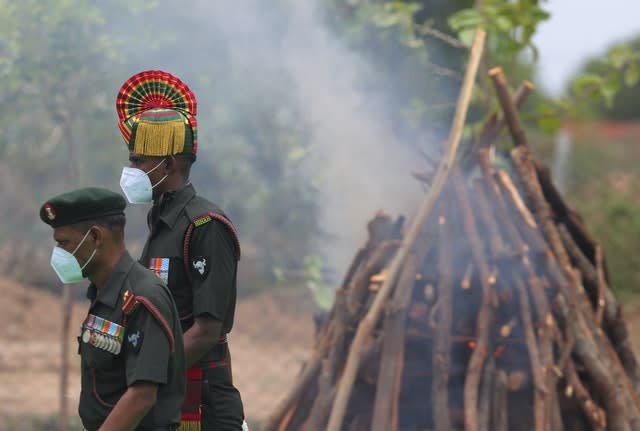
x,y
61,64
616,75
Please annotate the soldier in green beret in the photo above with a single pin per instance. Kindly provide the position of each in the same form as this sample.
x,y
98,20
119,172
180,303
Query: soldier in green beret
x,y
130,344
192,244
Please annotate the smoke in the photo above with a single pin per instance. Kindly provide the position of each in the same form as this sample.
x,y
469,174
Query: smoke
x,y
364,167
356,161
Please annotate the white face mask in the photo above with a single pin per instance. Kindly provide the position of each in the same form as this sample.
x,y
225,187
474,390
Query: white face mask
x,y
136,185
66,265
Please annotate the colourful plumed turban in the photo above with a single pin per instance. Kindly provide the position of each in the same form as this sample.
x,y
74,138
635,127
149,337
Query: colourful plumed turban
x,y
157,114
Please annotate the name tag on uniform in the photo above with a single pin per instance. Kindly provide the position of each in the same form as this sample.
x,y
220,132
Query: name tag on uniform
x,y
160,265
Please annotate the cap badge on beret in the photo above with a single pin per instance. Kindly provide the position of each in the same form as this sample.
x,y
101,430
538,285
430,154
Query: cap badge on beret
x,y
83,204
50,211
157,114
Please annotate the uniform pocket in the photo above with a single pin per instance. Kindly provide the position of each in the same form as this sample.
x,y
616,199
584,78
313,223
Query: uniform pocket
x,y
98,358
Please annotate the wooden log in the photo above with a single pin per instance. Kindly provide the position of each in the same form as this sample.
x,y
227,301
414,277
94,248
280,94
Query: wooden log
x,y
476,362
496,122
582,322
594,414
602,287
565,214
523,160
309,374
587,351
540,395
442,336
613,321
514,194
360,423
586,267
387,388
67,308
358,288
545,330
498,247
486,391
369,321
536,285
318,410
500,407
330,366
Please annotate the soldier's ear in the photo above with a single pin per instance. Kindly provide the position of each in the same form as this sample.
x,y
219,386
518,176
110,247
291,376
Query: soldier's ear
x,y
97,232
171,164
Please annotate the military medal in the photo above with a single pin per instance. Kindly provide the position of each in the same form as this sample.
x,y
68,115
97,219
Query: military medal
x,y
102,334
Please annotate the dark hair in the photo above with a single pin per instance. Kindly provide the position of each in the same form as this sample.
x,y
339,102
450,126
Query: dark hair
x,y
184,163
114,223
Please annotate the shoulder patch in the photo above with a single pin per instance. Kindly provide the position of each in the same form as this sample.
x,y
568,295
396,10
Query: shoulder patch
x,y
135,341
202,220
201,265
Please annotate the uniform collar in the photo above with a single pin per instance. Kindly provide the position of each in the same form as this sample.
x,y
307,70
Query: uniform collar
x,y
171,204
110,293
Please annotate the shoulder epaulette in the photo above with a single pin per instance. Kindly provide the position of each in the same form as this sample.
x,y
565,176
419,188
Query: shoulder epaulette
x,y
206,218
199,221
130,303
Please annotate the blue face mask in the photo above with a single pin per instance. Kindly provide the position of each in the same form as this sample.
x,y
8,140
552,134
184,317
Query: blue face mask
x,y
66,265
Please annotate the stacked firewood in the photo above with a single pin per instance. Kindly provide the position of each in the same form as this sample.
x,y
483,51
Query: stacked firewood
x,y
500,318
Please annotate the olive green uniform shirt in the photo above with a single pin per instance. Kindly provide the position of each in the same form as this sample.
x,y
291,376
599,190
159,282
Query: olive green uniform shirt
x,y
210,287
145,352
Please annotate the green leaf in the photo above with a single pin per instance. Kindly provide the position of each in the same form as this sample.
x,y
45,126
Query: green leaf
x,y
619,55
610,88
278,274
466,36
322,294
464,19
504,24
586,82
549,124
632,74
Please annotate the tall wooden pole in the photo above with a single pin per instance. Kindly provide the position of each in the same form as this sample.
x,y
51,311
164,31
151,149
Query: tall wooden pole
x,y
368,323
67,299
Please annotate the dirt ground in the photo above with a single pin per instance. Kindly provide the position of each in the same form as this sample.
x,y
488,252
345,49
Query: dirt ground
x,y
269,343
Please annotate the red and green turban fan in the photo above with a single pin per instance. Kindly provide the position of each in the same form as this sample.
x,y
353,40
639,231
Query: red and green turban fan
x,y
157,115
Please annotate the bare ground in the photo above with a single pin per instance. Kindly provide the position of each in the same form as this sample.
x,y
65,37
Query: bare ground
x,y
269,343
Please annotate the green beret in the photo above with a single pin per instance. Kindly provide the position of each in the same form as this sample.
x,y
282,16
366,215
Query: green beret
x,y
88,203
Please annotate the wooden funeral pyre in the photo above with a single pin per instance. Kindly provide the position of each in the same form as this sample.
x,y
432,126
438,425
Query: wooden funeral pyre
x,y
500,316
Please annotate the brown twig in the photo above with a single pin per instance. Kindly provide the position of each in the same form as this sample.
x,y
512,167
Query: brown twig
x,y
500,408
602,286
387,389
442,335
358,287
539,380
594,414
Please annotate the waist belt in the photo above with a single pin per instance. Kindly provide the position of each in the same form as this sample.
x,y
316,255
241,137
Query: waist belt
x,y
164,428
191,410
